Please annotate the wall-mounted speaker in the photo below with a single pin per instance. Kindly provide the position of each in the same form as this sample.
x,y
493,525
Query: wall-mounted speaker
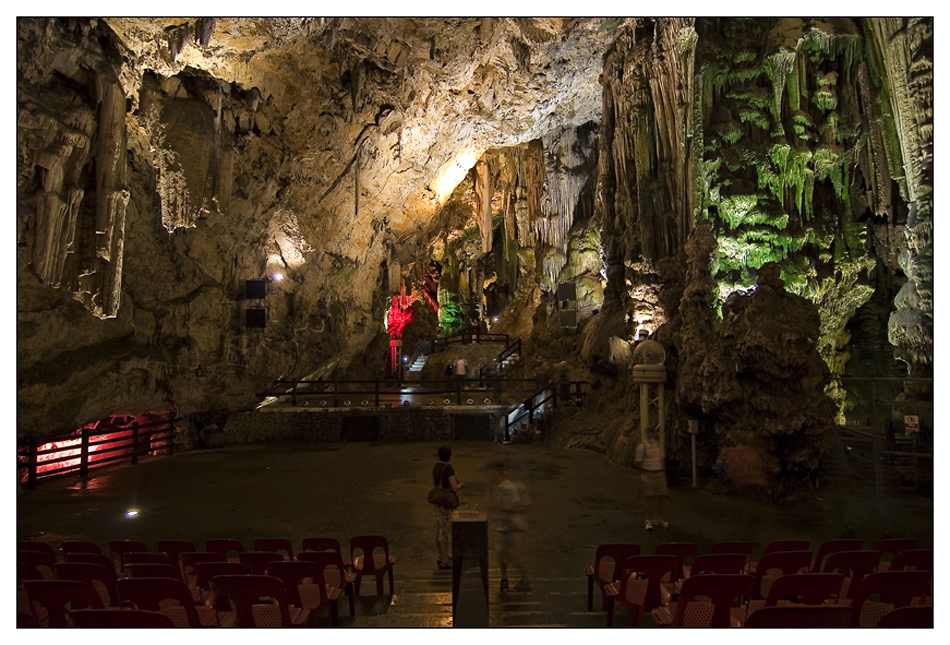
x,y
255,289
568,317
566,291
255,317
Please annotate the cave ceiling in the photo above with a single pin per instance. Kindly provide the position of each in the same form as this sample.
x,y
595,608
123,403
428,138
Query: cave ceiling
x,y
418,95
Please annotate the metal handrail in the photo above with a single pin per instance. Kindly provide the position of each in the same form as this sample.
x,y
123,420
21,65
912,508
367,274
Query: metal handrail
x,y
530,405
338,388
438,344
874,431
132,441
509,351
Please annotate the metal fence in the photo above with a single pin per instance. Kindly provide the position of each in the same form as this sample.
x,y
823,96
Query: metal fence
x,y
888,439
79,451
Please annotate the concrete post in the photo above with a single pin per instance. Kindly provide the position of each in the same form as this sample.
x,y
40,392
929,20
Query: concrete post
x,y
470,569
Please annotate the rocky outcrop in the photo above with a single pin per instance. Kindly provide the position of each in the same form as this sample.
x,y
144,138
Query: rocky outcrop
x,y
763,384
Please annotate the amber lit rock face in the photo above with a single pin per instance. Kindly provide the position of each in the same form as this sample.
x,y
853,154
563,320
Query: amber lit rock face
x,y
746,466
318,148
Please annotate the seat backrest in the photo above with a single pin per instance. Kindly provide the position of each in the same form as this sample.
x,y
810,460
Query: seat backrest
x,y
144,558
366,546
331,564
153,570
724,591
26,571
243,592
58,597
913,559
79,546
224,546
718,563
275,544
154,594
296,573
854,564
804,616
777,563
896,588
26,621
174,548
32,545
609,559
834,546
744,547
258,560
43,562
656,568
681,550
121,547
205,572
322,544
101,559
893,546
909,617
806,588
190,559
126,618
786,545
96,575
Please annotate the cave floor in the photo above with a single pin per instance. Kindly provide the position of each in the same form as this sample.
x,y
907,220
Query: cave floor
x,y
580,500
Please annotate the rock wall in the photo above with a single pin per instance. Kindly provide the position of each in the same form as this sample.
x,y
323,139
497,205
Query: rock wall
x,y
730,144
164,162
658,164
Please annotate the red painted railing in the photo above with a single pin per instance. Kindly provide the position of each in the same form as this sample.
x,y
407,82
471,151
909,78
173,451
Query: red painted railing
x,y
77,452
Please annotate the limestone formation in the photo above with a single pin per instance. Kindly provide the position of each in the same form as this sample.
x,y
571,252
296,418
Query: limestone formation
x,y
469,166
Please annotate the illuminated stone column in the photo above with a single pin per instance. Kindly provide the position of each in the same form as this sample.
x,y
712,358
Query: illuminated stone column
x,y
648,368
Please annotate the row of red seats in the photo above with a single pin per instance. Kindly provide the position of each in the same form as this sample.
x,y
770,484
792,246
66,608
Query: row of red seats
x,y
647,584
312,579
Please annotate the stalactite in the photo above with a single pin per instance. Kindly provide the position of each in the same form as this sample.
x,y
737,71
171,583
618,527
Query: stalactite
x,y
483,195
563,189
903,48
534,179
778,66
877,153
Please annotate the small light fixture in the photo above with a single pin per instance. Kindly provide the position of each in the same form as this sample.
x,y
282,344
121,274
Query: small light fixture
x,y
132,512
278,276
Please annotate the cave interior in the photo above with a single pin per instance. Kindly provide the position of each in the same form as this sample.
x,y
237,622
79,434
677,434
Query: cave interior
x,y
209,206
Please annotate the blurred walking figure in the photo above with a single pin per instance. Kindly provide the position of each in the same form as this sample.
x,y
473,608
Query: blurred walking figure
x,y
509,500
648,458
449,373
443,474
461,371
